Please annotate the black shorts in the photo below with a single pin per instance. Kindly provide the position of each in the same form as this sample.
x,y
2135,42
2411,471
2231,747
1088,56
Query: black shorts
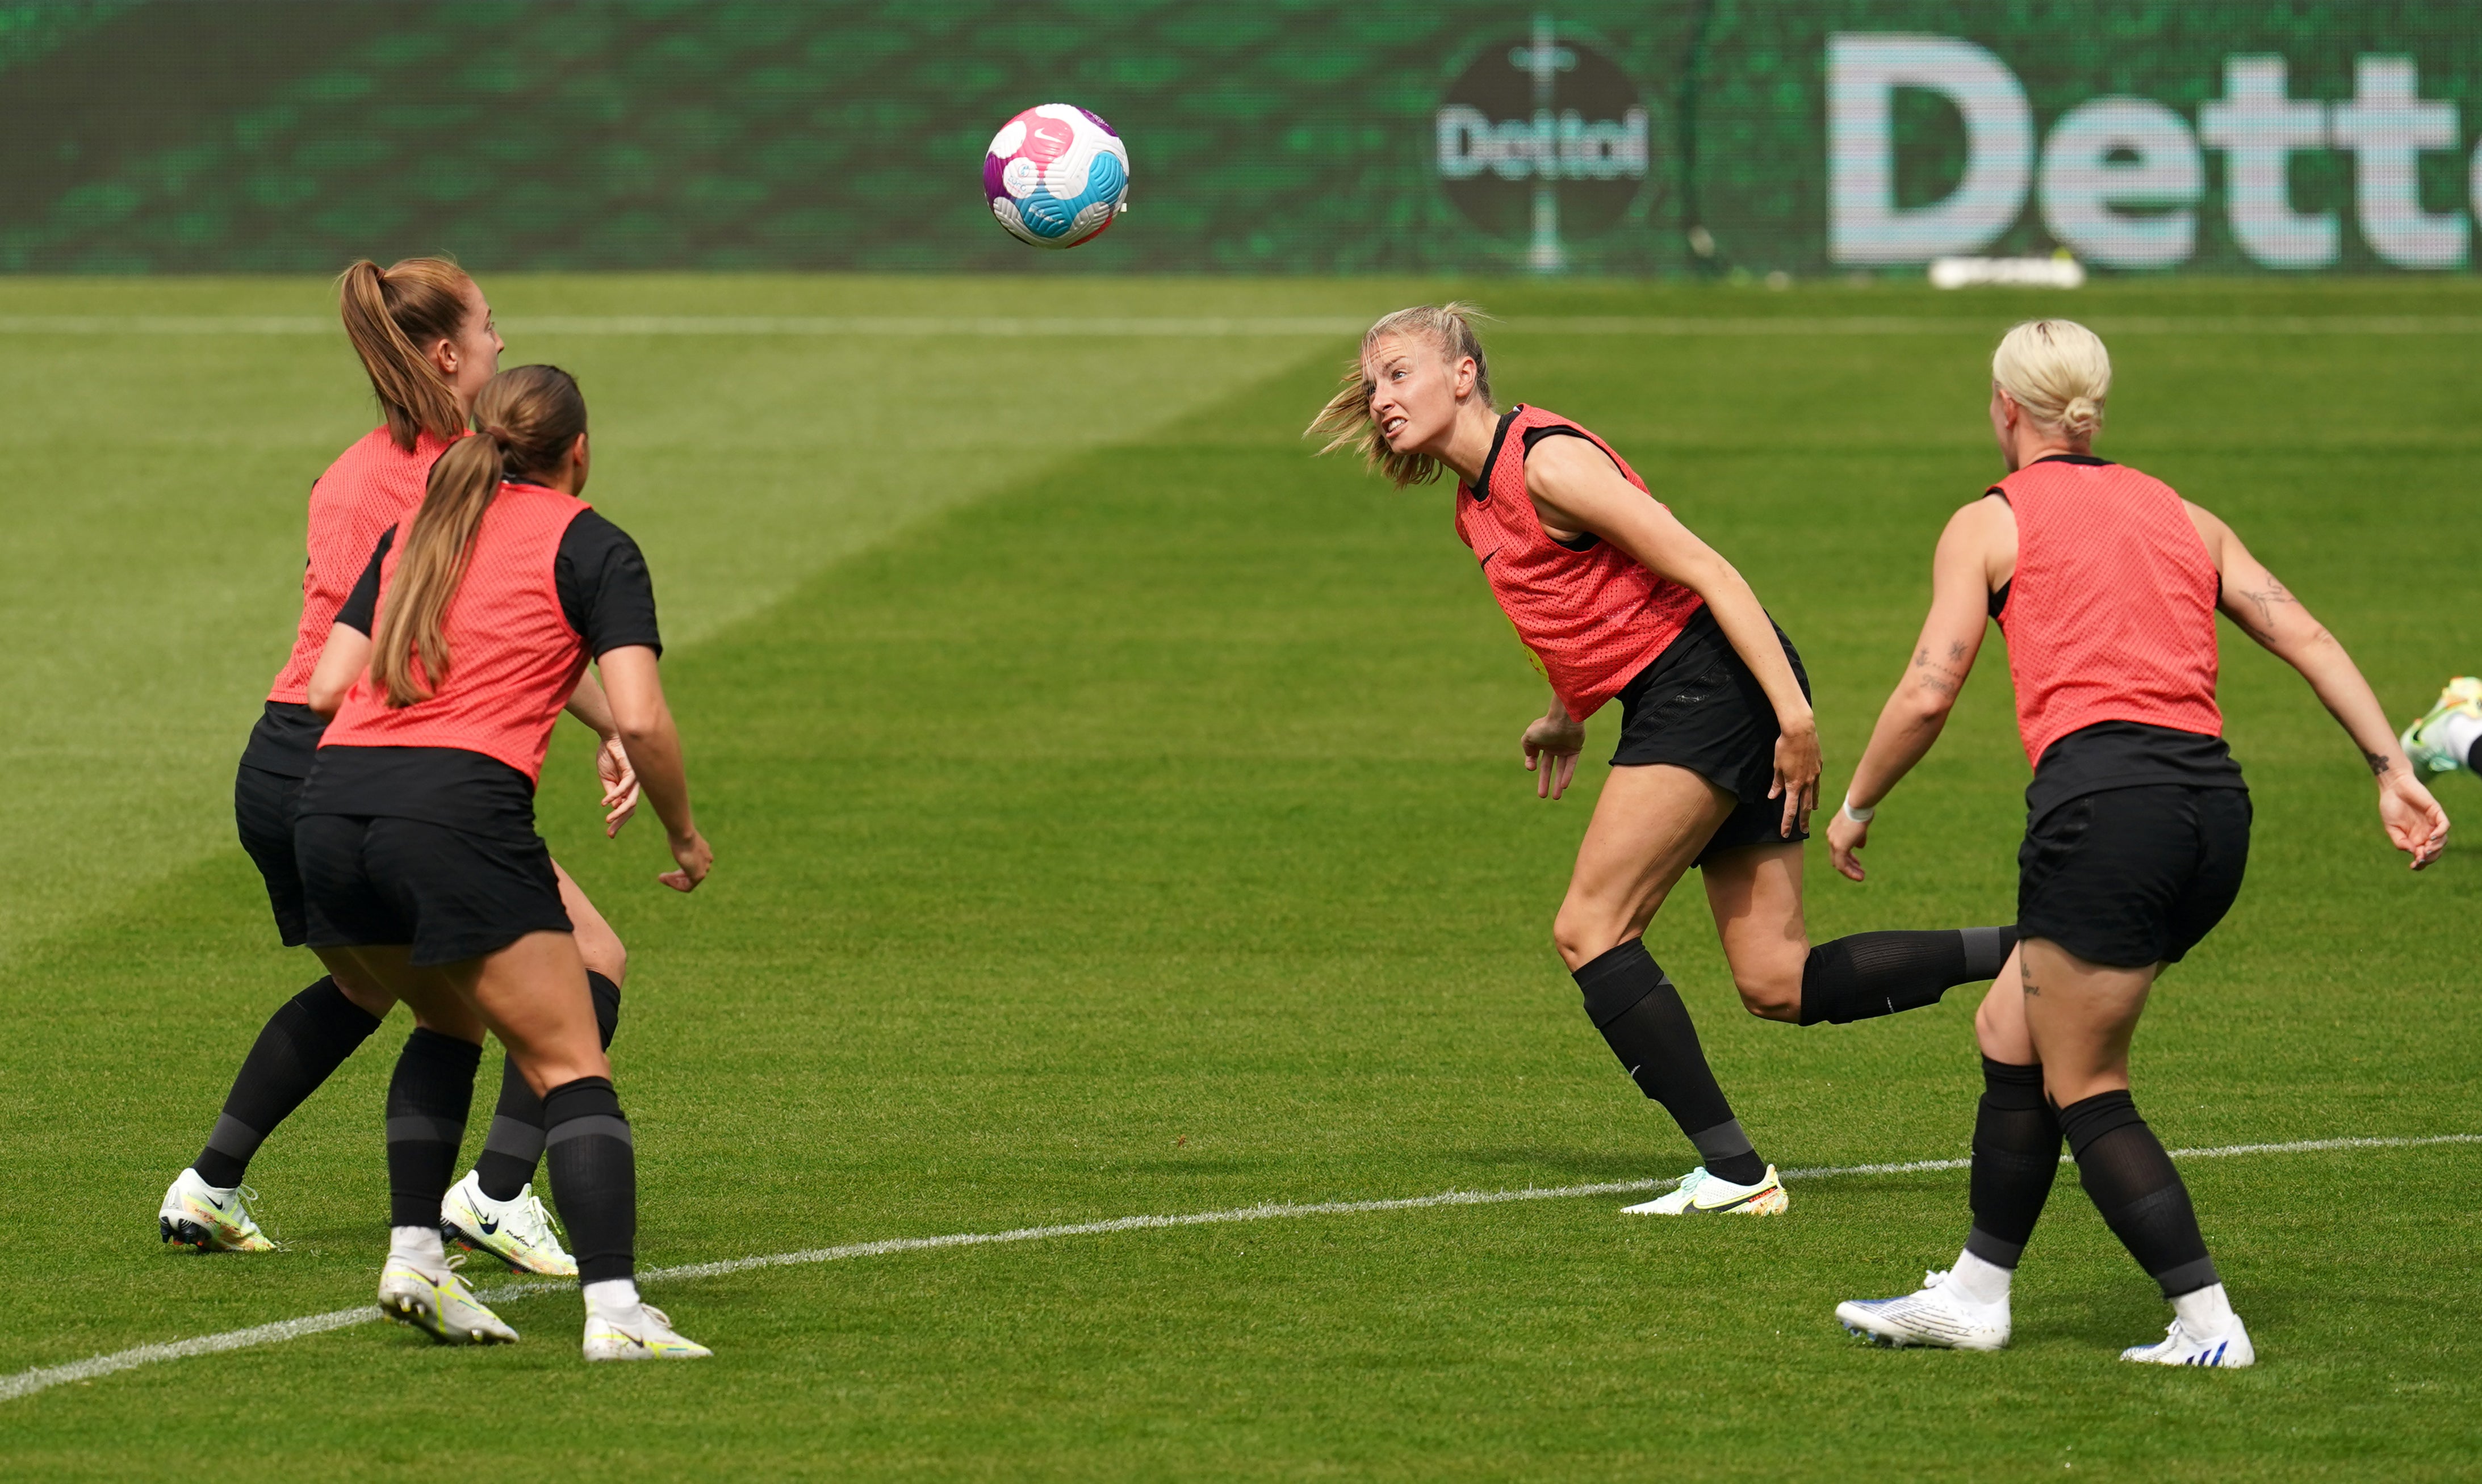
x,y
448,894
1697,706
263,809
2133,877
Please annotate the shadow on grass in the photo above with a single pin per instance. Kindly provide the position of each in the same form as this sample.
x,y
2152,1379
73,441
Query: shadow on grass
x,y
1584,1165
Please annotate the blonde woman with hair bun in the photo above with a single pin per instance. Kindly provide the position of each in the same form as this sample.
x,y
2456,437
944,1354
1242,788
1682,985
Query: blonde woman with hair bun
x,y
2137,829
2058,374
1717,766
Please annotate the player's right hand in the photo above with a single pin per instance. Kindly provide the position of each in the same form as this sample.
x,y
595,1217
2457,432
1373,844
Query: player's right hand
x,y
696,858
2414,822
1551,748
1844,839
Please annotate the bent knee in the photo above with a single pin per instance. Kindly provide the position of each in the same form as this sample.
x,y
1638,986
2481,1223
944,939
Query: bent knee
x,y
1583,936
603,952
1770,996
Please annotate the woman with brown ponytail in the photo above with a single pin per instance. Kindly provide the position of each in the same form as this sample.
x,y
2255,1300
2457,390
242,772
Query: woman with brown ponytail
x,y
425,336
446,669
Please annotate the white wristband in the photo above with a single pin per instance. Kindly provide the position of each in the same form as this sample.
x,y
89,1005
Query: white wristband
x,y
1859,816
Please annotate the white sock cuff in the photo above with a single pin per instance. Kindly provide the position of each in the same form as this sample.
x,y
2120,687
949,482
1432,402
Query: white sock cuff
x,y
2205,1312
614,1298
419,1246
1979,1280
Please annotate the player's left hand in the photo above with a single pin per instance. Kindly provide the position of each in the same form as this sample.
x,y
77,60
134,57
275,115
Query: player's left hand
x,y
1797,770
2413,820
620,791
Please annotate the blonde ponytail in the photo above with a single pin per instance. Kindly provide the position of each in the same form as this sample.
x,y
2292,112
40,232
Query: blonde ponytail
x,y
530,418
2058,371
1345,422
390,315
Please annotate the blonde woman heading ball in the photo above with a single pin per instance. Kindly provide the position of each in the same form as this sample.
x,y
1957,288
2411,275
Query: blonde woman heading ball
x,y
2106,583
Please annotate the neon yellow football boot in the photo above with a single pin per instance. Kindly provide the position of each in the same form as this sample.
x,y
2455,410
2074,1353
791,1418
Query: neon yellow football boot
x,y
1701,1194
440,1305
650,1338
199,1215
516,1230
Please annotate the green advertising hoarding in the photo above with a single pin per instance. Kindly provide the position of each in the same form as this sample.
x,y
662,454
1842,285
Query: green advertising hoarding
x,y
1665,138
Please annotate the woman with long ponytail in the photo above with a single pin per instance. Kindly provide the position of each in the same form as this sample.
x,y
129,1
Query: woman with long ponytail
x,y
449,663
424,334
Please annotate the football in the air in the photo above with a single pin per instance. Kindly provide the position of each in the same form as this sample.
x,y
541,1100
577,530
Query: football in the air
x,y
1056,176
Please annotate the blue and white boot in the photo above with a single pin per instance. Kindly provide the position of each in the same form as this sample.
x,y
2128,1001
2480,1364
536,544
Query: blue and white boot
x,y
2229,1350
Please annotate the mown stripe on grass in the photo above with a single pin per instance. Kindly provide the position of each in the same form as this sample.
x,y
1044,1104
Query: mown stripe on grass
x,y
1232,326
26,1383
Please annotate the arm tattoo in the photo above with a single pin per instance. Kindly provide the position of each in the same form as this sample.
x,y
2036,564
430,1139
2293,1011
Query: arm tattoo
x,y
2266,601
2378,762
1931,675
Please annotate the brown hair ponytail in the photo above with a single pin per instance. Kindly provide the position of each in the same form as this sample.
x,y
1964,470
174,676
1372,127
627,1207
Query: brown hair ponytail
x,y
529,418
390,315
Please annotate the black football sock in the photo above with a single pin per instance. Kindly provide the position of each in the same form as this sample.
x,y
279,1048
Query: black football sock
x,y
515,1143
2123,1168
1882,972
1632,1002
301,1045
428,1098
2016,1158
593,1176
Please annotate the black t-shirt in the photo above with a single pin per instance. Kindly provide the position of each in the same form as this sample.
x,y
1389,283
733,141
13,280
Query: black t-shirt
x,y
607,598
2127,755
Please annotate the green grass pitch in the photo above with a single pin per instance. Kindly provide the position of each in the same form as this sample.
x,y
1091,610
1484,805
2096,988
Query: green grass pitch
x,y
1118,813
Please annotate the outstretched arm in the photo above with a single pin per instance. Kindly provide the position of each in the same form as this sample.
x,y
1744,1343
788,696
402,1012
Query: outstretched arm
x,y
2268,612
1574,485
1917,711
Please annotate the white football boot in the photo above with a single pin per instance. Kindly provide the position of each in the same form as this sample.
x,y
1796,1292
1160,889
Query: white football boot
x,y
516,1230
1700,1193
1938,1315
441,1306
650,1338
2230,1349
198,1214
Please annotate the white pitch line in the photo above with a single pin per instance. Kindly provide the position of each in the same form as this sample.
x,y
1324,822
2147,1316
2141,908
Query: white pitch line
x,y
26,1383
1316,326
